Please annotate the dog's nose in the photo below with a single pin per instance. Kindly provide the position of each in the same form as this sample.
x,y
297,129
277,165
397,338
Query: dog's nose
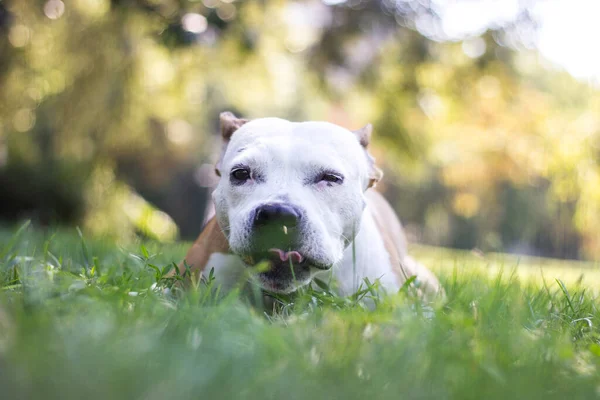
x,y
277,213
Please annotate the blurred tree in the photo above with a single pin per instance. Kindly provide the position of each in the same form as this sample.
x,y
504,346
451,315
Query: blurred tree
x,y
108,107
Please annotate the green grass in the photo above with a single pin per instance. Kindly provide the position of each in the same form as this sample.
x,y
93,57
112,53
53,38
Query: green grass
x,y
87,319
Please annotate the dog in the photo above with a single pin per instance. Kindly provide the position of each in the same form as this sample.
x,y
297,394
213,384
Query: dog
x,y
299,195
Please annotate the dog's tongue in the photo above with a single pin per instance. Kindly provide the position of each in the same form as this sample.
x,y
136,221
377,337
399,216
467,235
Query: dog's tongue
x,y
287,255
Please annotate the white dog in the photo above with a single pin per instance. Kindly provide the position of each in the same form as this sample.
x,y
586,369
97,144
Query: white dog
x,y
298,195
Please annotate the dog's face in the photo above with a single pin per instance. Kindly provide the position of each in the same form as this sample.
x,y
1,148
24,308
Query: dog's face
x,y
292,194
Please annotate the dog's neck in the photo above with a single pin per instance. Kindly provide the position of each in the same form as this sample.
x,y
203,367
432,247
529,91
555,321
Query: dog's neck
x,y
365,257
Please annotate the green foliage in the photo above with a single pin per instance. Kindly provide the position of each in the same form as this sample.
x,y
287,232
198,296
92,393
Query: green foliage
x,y
86,319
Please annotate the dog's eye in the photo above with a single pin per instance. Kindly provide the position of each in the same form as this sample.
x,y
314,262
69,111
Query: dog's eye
x,y
330,178
240,174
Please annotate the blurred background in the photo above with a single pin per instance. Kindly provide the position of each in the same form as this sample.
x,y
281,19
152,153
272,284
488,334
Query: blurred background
x,y
486,113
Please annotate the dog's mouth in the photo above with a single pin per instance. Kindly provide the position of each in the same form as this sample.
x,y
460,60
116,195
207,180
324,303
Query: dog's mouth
x,y
279,258
286,271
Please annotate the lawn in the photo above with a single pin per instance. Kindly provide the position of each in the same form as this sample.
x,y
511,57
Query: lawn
x,y
83,318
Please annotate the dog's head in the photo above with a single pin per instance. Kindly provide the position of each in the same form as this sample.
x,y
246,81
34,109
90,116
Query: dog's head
x,y
291,193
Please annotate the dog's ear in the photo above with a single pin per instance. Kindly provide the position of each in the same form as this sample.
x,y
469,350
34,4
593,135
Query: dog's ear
x,y
364,138
364,135
229,124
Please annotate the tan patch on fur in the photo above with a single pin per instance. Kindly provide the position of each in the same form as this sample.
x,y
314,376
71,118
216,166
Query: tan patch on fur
x,y
211,240
395,243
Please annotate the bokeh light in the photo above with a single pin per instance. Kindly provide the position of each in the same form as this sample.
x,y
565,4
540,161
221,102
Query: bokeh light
x,y
484,112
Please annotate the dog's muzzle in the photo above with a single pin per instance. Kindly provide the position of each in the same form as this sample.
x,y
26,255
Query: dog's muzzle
x,y
277,237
